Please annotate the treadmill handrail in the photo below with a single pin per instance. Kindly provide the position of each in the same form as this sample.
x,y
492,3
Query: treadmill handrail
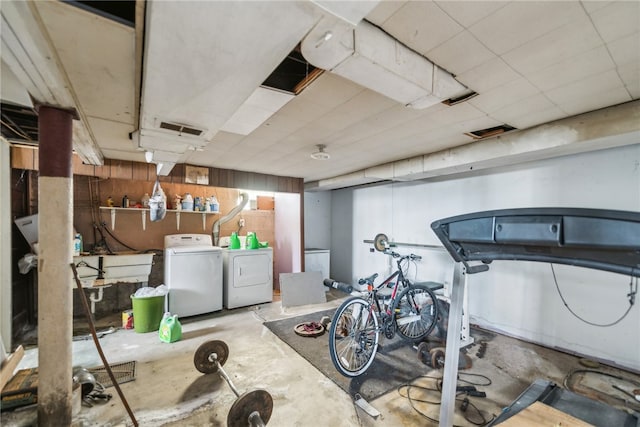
x,y
601,239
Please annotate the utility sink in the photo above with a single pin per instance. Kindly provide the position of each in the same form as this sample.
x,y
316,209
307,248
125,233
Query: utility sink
x,y
125,267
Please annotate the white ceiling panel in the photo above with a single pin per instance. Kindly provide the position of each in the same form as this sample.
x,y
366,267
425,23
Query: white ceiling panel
x,y
578,67
617,19
531,62
460,53
557,45
503,96
590,93
467,13
626,50
100,68
112,134
421,25
330,90
629,75
489,75
524,107
383,11
521,21
537,118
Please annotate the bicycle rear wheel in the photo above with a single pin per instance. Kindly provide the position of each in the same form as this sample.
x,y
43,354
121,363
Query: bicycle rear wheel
x,y
353,337
416,312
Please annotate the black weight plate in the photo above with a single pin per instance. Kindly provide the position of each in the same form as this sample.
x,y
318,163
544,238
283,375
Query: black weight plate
x,y
380,242
203,360
254,401
437,357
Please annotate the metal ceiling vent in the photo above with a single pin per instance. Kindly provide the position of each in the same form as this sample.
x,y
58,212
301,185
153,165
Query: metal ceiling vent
x,y
489,132
181,129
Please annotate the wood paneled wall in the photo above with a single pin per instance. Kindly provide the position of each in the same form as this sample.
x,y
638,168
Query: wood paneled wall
x,y
27,158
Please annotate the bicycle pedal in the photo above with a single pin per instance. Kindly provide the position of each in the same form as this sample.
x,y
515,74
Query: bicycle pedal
x,y
366,406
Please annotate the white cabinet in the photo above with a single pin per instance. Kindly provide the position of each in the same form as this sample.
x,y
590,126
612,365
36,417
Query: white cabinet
x,y
318,260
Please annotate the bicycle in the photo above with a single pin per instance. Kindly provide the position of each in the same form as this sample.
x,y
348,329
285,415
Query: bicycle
x,y
411,310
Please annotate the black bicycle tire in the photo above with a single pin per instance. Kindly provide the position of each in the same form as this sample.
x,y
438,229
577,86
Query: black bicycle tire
x,y
434,315
333,348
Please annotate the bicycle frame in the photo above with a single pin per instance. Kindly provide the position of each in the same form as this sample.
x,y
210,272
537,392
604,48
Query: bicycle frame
x,y
373,289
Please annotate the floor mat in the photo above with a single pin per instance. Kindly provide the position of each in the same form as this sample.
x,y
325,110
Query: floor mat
x,y
124,372
396,362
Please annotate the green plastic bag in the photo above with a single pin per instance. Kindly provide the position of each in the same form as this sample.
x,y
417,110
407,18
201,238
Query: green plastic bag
x,y
170,328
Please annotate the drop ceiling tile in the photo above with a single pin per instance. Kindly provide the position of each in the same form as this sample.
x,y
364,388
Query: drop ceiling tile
x,y
523,107
503,96
592,6
383,11
330,90
557,45
519,22
456,113
460,53
304,112
99,68
493,73
467,13
421,25
617,19
596,100
630,75
225,139
590,93
112,135
626,50
365,104
479,123
594,61
538,118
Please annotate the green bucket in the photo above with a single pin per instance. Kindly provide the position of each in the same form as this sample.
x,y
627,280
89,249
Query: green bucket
x,y
147,313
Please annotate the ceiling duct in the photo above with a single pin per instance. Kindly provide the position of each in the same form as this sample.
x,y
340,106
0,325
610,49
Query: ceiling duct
x,y
372,58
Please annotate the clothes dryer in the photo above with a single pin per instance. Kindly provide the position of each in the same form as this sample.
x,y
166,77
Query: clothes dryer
x,y
248,276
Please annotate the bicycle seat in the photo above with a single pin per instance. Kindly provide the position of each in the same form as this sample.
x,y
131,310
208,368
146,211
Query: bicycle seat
x,y
369,279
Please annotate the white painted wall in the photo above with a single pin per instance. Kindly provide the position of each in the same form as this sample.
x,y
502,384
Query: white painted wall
x,y
288,228
517,298
317,220
5,245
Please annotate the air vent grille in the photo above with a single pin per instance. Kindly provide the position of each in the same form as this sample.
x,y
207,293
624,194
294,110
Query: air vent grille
x,y
181,128
489,132
462,98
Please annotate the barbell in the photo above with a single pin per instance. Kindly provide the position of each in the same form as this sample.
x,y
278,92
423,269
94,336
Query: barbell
x,y
249,409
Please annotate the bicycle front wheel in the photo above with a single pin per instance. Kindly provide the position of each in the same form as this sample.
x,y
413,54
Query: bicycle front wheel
x,y
416,312
353,337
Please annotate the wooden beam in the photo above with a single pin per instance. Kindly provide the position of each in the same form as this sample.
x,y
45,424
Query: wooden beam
x,y
9,365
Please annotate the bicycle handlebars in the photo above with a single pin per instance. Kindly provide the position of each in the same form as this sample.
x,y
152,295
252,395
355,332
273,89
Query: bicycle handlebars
x,y
411,257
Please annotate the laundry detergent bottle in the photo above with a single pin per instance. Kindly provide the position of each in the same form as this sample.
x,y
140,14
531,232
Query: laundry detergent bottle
x,y
234,241
170,328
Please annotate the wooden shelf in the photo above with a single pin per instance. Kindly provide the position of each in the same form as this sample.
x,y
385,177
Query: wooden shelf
x,y
143,212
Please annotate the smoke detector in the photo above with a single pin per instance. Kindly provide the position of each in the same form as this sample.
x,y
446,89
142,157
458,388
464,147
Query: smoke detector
x,y
320,154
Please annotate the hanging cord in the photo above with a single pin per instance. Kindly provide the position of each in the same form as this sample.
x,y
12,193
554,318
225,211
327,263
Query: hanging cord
x,y
477,419
633,289
632,404
92,328
104,226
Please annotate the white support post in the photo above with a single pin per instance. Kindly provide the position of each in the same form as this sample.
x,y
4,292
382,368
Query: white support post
x,y
452,354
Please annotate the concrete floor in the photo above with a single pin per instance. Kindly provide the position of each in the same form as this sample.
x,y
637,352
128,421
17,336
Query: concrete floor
x,y
169,391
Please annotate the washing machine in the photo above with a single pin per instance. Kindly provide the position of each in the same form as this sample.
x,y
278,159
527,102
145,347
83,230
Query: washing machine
x,y
193,274
248,276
